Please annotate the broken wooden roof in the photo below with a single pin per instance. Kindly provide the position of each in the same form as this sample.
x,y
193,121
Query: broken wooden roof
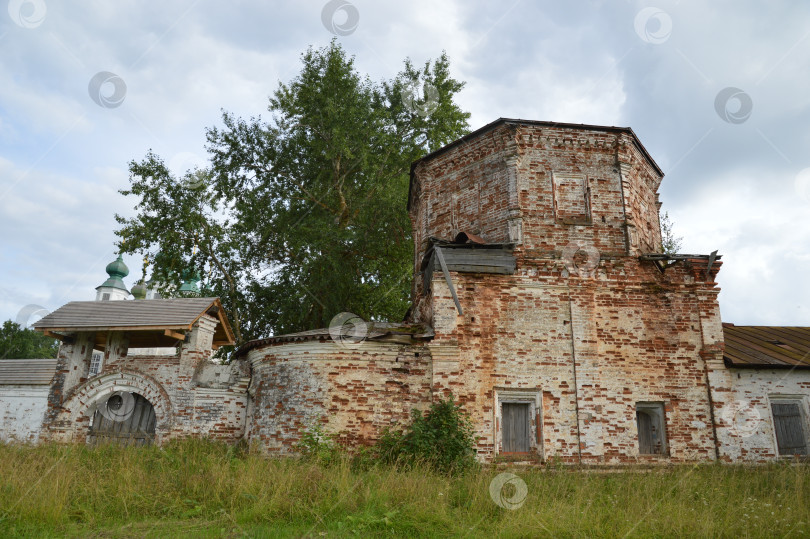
x,y
149,322
769,347
399,333
26,372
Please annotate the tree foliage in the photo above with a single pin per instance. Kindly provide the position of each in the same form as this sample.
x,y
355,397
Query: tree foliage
x,y
300,218
670,244
17,342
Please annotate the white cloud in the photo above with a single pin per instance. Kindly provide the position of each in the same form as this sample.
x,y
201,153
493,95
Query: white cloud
x,y
729,187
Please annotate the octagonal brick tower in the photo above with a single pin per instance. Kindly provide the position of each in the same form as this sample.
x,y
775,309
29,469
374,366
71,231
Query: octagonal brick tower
x,y
558,322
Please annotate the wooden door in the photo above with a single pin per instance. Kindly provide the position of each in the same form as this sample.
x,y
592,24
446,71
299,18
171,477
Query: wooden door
x,y
132,427
516,427
646,442
787,420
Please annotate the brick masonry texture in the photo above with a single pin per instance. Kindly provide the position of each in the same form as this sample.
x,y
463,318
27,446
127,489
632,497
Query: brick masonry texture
x,y
591,344
354,390
742,399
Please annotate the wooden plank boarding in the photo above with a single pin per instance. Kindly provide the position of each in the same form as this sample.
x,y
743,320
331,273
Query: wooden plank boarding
x,y
646,445
787,421
499,261
515,433
138,428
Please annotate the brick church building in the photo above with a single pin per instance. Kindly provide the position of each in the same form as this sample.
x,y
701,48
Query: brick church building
x,y
542,302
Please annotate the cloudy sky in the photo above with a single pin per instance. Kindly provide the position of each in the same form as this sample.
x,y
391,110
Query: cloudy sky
x,y
718,93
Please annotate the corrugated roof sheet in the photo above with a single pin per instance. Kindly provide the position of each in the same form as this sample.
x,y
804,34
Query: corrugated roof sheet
x,y
772,347
26,371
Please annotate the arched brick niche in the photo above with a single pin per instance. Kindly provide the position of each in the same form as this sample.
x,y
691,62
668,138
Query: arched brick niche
x,y
73,420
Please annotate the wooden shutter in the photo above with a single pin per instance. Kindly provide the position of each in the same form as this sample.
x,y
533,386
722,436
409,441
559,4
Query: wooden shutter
x,y
516,431
787,420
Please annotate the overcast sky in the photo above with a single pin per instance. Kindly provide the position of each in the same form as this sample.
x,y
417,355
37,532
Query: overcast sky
x,y
719,93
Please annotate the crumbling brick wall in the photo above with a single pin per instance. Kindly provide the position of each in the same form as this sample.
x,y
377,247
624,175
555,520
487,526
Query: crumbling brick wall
x,y
22,408
743,400
191,395
353,392
583,322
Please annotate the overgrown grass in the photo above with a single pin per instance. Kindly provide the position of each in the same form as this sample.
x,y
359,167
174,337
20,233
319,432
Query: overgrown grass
x,y
199,488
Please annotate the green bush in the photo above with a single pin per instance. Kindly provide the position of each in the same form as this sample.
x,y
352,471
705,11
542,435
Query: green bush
x,y
442,439
319,446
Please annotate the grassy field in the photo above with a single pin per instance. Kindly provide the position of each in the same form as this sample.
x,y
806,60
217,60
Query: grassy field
x,y
197,488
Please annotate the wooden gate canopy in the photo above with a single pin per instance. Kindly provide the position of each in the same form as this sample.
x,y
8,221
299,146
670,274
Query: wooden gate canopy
x,y
149,323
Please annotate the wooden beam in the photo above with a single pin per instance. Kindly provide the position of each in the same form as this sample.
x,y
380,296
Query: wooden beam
x,y
172,334
443,264
712,258
54,335
90,329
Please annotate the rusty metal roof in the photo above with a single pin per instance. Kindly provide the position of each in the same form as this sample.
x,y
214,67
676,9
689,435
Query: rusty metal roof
x,y
136,315
24,372
400,333
770,347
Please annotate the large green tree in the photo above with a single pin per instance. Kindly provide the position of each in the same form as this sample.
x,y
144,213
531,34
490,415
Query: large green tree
x,y
301,217
17,342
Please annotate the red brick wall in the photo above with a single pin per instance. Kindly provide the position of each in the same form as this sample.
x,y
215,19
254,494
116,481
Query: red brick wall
x,y
353,392
632,334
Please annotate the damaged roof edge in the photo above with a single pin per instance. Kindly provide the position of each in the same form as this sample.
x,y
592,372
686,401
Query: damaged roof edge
x,y
515,121
389,332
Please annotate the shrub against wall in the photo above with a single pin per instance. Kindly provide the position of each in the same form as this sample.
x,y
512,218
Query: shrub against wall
x,y
442,438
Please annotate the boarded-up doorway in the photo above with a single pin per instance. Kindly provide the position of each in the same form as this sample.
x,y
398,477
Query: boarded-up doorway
x,y
516,427
651,428
123,418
